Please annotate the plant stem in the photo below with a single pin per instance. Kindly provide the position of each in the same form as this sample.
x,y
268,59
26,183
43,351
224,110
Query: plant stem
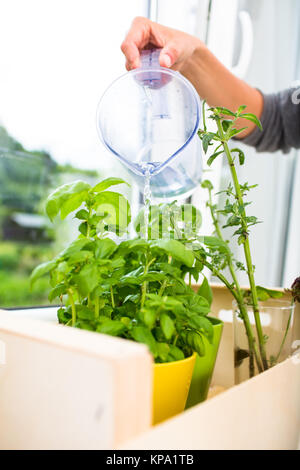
x,y
88,225
112,297
165,282
145,283
96,307
162,288
246,248
175,340
238,298
244,313
219,233
73,307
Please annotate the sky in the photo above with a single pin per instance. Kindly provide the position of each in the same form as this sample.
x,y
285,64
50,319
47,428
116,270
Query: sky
x,y
56,59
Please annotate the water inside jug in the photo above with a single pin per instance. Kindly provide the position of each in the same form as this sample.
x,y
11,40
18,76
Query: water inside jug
x,y
149,119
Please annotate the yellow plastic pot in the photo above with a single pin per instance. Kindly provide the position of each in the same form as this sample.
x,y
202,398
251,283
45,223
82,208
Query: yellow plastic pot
x,y
171,387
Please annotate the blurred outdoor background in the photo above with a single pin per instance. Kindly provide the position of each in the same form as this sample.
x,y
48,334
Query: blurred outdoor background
x,y
58,57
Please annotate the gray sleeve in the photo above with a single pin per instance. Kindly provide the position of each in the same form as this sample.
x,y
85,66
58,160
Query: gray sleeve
x,y
280,121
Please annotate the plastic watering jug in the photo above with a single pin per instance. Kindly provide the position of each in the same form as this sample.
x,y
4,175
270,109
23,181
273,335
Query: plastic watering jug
x,y
149,119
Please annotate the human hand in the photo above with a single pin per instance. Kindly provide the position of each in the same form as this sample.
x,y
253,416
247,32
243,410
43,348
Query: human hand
x,y
177,47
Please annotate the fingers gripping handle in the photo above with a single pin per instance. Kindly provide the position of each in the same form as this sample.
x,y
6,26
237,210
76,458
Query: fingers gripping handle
x,y
153,75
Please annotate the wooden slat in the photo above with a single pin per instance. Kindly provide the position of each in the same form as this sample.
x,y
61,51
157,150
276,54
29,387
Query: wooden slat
x,y
64,388
261,413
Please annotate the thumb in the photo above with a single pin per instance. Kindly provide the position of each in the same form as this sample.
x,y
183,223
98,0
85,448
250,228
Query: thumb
x,y
169,55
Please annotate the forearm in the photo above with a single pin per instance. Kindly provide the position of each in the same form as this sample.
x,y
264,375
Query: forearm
x,y
219,87
280,121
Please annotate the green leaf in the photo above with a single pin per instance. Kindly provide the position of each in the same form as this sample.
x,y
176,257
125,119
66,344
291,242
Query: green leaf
x,y
264,293
111,327
105,248
241,108
107,183
63,315
72,204
87,279
166,302
252,220
55,201
94,220
196,303
194,272
170,269
141,334
153,276
83,228
234,132
216,243
226,123
115,207
176,249
241,239
206,140
59,290
213,157
196,342
135,273
207,185
74,247
240,154
175,353
84,325
127,322
82,214
202,324
132,298
225,111
41,270
251,117
80,257
62,268
149,317
163,350
84,313
232,221
205,291
134,246
167,326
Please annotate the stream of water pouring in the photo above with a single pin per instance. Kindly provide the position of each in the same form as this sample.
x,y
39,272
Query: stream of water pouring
x,y
147,198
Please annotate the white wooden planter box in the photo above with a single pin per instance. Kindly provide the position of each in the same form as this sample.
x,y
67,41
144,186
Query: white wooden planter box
x,y
62,388
261,413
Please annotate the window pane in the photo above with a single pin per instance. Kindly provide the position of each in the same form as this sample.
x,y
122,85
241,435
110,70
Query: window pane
x,y
56,61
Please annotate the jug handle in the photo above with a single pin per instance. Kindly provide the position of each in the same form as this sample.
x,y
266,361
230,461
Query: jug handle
x,y
150,58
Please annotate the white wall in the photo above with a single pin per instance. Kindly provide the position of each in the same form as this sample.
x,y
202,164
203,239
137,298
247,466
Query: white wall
x,y
272,68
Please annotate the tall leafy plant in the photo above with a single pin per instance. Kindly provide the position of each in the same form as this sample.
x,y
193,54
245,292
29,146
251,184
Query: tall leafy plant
x,y
217,254
134,288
